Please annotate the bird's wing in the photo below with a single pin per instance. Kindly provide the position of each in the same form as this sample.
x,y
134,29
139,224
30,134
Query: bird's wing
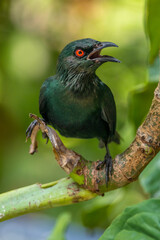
x,y
43,97
108,108
42,101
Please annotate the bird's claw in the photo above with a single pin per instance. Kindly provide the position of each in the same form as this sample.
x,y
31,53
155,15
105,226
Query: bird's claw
x,y
100,165
108,166
45,136
30,128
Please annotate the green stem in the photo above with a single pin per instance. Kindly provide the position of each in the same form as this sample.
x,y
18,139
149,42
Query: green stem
x,y
38,196
61,226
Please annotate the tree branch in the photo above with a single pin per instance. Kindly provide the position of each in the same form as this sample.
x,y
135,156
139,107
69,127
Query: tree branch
x,y
86,181
126,166
40,196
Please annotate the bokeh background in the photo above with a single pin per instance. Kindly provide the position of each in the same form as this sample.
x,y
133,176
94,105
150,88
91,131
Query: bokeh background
x,y
32,34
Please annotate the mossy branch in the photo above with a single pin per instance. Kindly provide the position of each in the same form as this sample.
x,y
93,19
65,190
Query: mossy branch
x,y
86,181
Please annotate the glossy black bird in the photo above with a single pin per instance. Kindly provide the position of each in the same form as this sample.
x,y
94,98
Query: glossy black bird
x,y
75,101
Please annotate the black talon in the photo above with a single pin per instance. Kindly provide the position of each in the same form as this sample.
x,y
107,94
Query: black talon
x,y
108,165
101,165
44,135
30,128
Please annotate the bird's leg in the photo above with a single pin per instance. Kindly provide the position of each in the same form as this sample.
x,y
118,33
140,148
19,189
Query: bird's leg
x,y
107,163
32,126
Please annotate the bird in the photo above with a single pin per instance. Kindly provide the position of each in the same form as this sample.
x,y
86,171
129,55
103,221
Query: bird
x,y
76,102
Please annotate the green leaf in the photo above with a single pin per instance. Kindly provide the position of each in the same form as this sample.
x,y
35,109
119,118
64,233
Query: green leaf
x,y
60,228
150,178
140,98
141,221
145,92
154,70
152,27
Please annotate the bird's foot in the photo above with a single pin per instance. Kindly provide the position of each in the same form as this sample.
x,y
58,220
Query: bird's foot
x,y
108,166
30,130
45,136
100,165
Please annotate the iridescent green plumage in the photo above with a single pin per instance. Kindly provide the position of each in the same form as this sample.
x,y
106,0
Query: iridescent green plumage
x,y
87,115
75,101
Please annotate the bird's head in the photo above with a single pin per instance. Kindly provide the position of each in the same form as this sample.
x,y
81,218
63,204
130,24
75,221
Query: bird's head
x,y
84,56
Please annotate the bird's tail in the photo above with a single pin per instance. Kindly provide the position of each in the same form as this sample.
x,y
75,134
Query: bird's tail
x,y
116,138
101,143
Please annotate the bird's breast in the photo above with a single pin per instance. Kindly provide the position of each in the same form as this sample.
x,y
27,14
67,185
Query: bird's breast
x,y
73,116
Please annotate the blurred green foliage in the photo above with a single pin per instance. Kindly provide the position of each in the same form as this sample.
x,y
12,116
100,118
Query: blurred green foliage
x,y
32,34
60,228
150,179
152,25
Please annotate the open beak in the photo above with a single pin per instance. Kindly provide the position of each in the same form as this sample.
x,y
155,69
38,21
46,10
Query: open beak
x,y
95,54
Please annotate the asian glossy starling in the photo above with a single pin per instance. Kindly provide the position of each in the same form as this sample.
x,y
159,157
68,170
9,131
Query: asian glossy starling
x,y
75,101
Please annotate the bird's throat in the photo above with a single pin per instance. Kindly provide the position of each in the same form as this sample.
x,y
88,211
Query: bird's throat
x,y
82,83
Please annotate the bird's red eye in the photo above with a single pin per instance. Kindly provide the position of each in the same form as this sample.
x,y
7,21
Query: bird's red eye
x,y
79,53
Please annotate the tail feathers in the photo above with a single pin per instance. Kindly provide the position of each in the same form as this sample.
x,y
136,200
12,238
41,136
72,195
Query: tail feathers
x,y
101,143
116,138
